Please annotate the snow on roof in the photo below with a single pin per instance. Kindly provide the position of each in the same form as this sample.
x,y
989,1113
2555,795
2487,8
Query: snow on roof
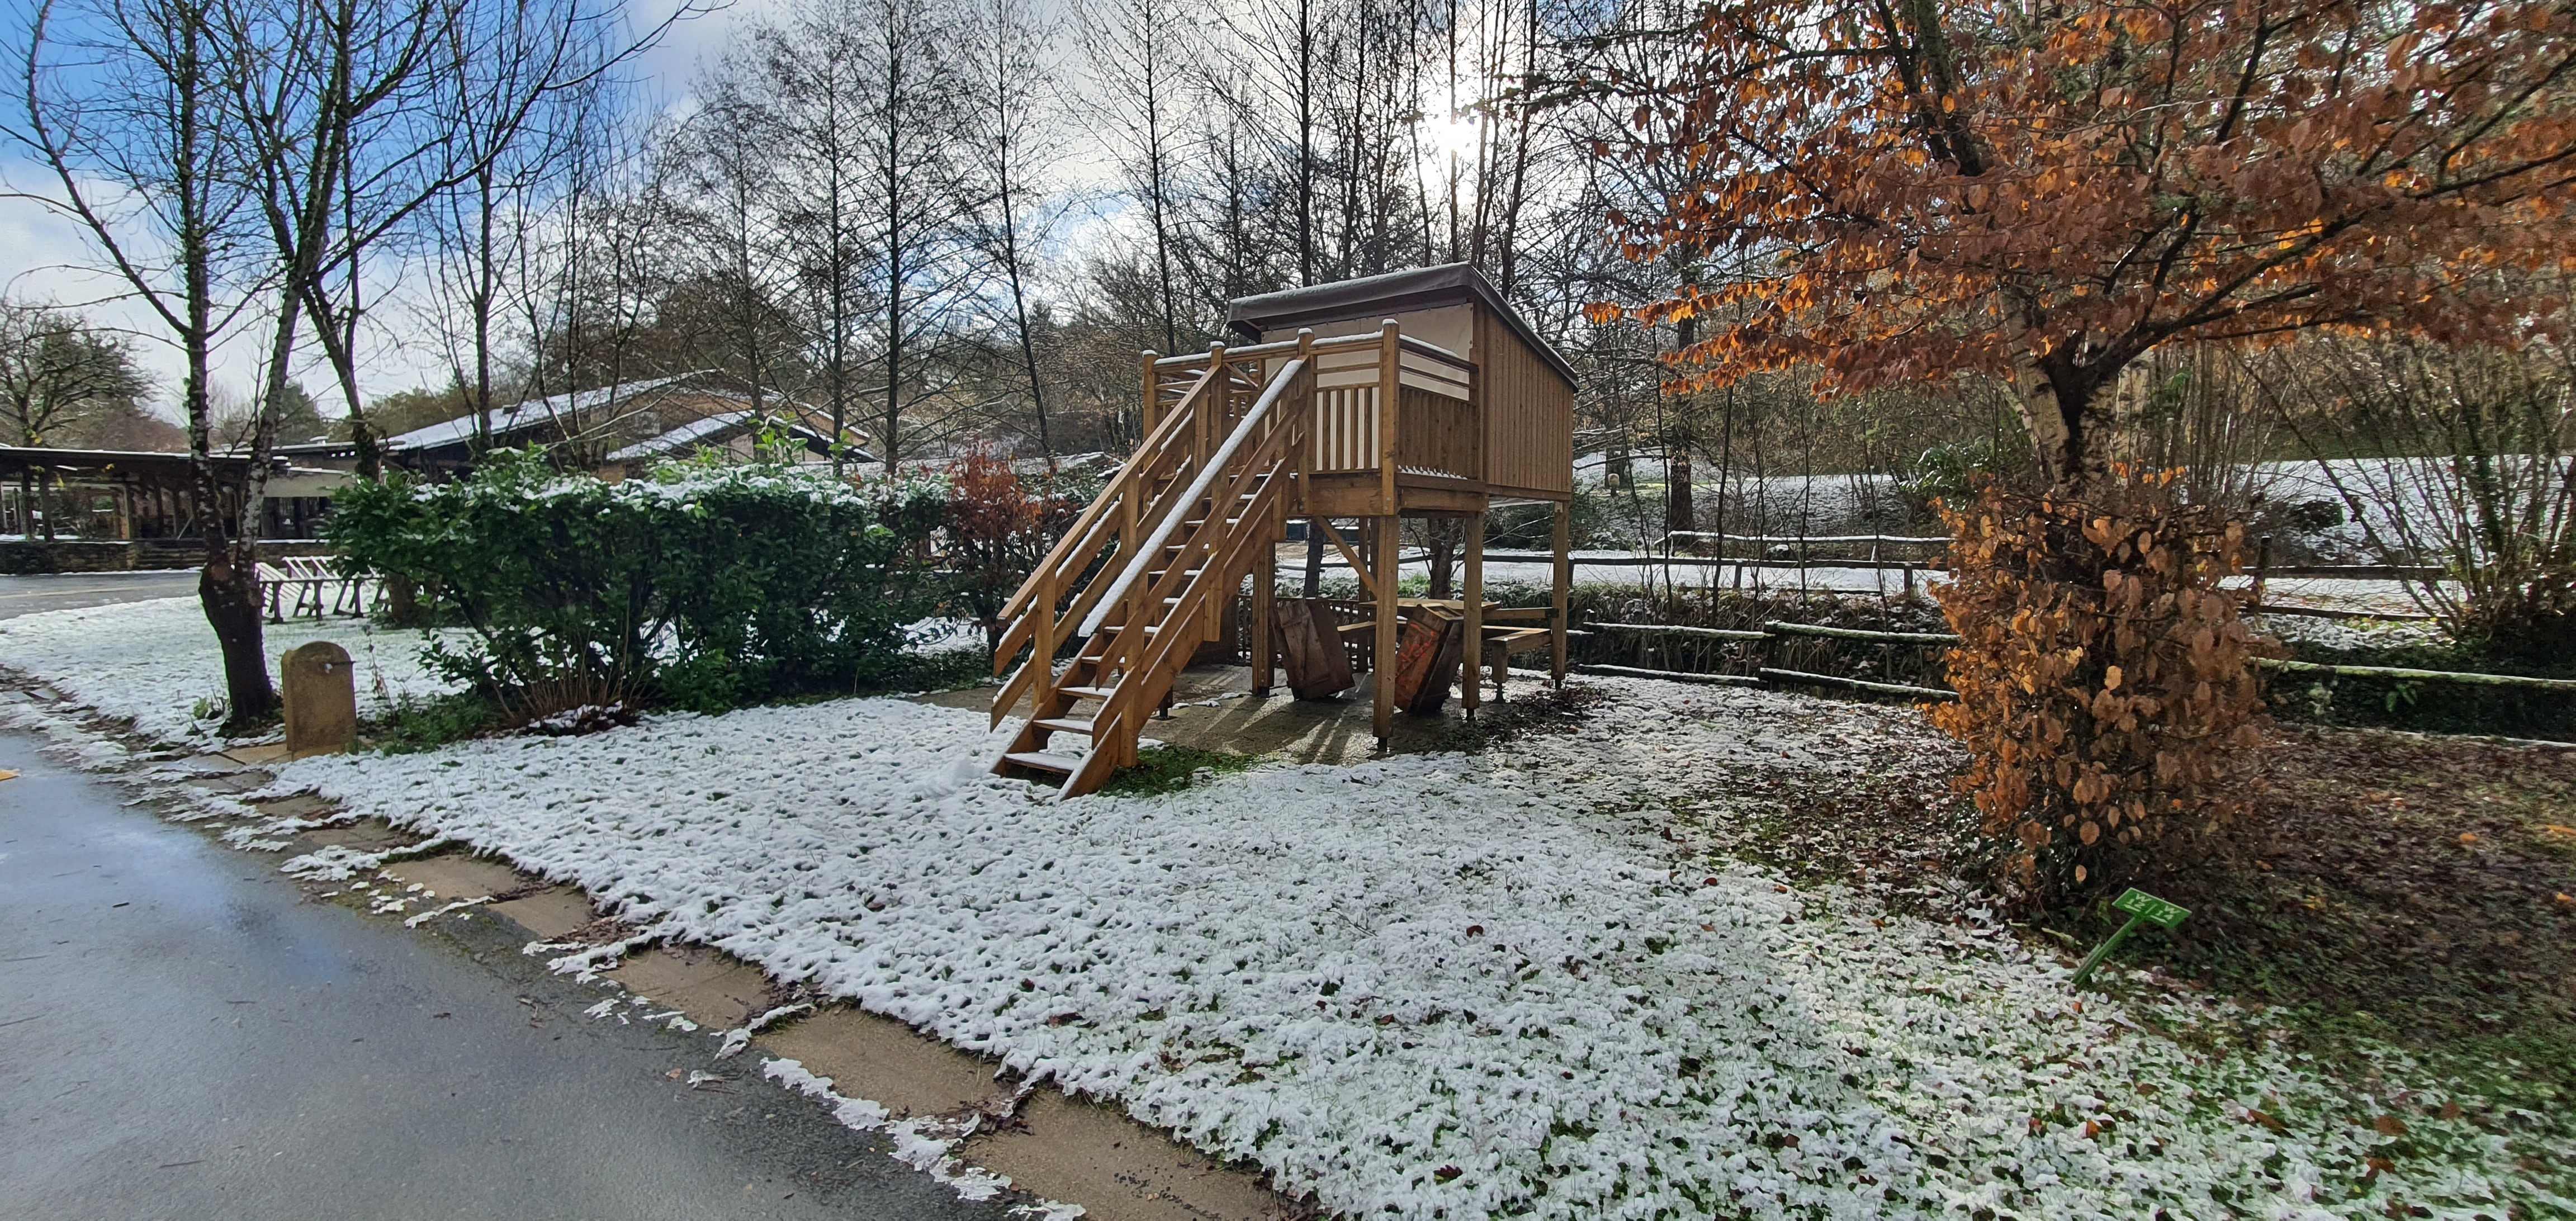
x,y
526,414
710,428
686,434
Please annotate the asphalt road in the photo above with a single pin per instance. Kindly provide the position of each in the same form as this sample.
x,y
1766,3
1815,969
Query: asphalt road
x,y
60,591
182,1037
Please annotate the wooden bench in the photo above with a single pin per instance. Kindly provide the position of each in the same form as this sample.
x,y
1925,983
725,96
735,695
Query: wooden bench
x,y
1508,632
317,590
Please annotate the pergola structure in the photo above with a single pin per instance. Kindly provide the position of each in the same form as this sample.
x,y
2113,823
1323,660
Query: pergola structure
x,y
131,495
1414,394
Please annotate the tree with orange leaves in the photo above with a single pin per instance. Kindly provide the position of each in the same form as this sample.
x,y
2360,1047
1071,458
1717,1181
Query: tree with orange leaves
x,y
2045,192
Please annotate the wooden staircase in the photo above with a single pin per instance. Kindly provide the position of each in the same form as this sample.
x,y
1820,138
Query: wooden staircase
x,y
1148,572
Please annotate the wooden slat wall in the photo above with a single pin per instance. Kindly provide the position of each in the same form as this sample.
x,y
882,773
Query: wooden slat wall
x,y
1435,434
1529,414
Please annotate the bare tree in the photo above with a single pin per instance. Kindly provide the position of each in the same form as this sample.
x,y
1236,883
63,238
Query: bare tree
x,y
1141,54
58,372
1010,145
134,132
57,369
733,213
913,144
797,84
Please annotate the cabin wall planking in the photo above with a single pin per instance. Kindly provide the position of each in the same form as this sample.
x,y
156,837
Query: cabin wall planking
x,y
1529,414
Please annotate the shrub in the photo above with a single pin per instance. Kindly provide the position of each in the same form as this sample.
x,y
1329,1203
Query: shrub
x,y
699,587
2107,692
2463,459
998,530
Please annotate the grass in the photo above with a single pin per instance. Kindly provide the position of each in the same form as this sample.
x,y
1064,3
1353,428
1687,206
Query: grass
x,y
416,724
1169,769
2398,892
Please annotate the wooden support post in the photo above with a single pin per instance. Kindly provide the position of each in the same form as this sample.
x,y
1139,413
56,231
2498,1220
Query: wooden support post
x,y
1564,586
1214,407
1471,661
1382,656
1043,608
1265,587
1153,398
1390,361
1306,424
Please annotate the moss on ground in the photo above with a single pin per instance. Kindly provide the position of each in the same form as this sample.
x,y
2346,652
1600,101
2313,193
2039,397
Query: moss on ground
x,y
1169,769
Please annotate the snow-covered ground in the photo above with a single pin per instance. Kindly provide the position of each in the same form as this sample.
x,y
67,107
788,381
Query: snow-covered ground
x,y
155,662
1437,985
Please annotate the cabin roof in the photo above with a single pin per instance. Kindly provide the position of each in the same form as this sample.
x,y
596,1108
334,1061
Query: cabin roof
x,y
1395,292
720,428
17,458
524,415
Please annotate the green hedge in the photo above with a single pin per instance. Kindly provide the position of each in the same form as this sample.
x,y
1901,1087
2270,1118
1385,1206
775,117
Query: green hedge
x,y
699,587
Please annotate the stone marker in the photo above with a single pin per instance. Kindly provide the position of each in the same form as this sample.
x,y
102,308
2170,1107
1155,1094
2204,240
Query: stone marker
x,y
321,699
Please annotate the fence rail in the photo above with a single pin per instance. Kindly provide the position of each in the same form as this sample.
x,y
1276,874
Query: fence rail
x,y
1775,630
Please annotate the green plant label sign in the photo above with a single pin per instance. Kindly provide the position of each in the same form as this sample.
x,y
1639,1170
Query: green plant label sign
x,y
2149,908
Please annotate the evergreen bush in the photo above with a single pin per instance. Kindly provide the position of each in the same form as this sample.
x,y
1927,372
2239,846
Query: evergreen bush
x,y
699,587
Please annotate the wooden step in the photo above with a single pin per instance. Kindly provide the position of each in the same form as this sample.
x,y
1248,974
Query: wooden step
x,y
1038,760
1065,724
1086,693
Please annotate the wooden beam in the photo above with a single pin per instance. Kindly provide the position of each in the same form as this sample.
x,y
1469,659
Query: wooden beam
x,y
1368,584
1382,656
1471,666
1564,585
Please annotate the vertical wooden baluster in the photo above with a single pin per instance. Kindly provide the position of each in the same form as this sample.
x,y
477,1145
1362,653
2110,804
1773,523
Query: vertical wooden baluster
x,y
1265,584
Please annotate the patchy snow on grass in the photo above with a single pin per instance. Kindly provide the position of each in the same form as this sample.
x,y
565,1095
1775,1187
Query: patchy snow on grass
x,y
1445,985
1433,986
156,664
2355,634
64,736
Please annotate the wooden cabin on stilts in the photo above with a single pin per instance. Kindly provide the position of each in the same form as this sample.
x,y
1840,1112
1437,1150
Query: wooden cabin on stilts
x,y
1413,394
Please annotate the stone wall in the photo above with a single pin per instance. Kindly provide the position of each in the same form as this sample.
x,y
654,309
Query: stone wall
x,y
19,557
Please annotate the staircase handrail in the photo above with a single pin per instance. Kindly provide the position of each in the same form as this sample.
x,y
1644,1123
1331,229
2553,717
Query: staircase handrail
x,y
1179,512
1270,459
1089,536
1079,540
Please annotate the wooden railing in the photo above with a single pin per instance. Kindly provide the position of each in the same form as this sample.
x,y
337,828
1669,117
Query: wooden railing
x,y
1057,594
1244,486
1433,429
